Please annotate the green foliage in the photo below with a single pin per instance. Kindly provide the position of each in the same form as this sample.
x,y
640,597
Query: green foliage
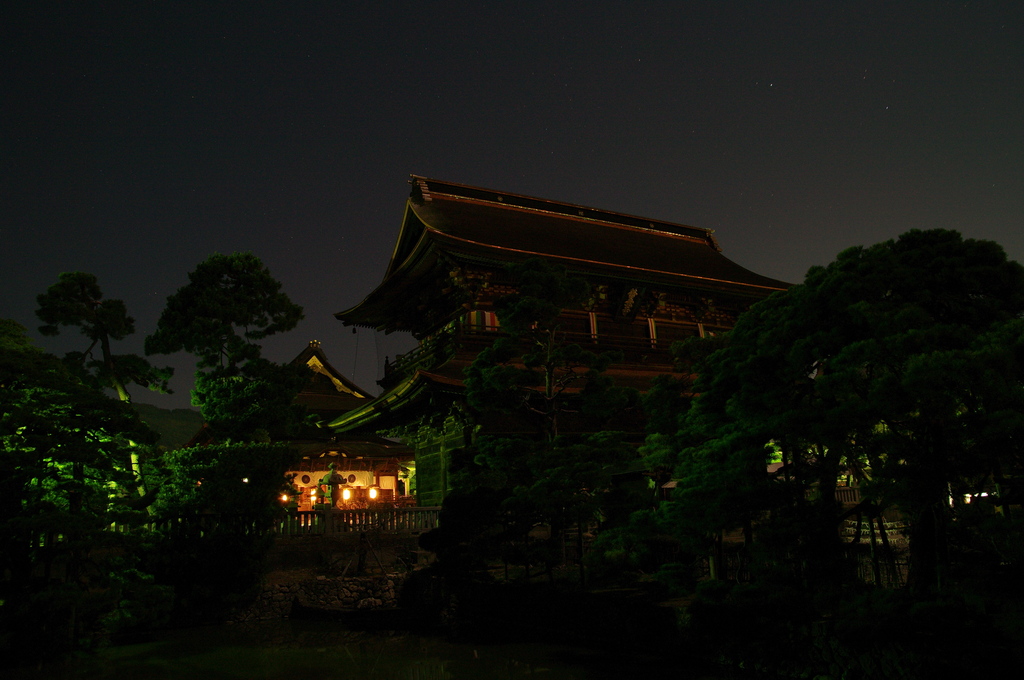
x,y
65,475
138,602
242,478
76,300
635,548
572,476
505,488
231,302
65,445
216,510
240,405
677,578
544,290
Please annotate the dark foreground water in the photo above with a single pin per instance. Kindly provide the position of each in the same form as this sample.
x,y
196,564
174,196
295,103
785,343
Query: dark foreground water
x,y
308,650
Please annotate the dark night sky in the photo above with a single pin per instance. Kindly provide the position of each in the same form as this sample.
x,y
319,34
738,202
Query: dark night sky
x,y
138,138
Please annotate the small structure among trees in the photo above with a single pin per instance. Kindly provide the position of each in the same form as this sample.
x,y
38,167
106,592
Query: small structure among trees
x,y
342,472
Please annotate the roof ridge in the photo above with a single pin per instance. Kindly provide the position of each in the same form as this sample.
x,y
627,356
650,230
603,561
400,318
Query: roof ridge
x,y
426,189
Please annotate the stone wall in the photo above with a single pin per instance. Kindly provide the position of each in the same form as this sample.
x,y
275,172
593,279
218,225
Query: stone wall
x,y
324,594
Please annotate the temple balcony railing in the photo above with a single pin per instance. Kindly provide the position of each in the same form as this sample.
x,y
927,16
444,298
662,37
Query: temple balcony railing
x,y
636,351
435,350
431,352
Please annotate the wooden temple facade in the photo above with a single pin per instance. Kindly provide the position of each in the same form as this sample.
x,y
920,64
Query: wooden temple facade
x,y
652,283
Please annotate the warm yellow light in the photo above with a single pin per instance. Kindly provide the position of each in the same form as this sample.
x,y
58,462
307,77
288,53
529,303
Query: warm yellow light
x,y
346,494
284,497
312,492
373,492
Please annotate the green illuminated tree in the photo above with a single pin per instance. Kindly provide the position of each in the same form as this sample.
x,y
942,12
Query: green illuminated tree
x,y
65,476
230,303
77,300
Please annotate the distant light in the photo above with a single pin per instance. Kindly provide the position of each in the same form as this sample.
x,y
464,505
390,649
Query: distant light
x,y
245,480
373,492
284,498
346,494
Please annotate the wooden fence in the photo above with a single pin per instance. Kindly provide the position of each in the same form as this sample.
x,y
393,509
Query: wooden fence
x,y
305,523
388,520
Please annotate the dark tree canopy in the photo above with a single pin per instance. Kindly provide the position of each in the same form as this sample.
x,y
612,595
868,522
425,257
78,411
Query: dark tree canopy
x,y
505,486
229,303
254,403
900,362
77,300
533,369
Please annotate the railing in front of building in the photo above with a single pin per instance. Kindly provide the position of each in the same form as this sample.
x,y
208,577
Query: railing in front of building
x,y
848,495
386,520
301,523
294,523
635,350
434,350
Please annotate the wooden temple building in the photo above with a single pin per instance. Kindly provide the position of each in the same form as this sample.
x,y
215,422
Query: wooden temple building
x,y
652,283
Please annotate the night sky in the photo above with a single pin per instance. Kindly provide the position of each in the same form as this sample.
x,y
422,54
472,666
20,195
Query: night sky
x,y
138,138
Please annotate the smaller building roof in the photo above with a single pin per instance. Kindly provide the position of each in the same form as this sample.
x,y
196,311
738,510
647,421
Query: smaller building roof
x,y
328,393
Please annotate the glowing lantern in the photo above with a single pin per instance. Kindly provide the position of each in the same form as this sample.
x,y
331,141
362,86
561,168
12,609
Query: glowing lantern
x,y
346,494
373,492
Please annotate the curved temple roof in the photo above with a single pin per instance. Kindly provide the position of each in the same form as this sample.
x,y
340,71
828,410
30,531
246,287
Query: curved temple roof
x,y
480,225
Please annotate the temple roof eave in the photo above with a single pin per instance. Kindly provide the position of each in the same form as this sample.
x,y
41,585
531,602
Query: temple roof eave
x,y
377,309
476,226
373,415
416,260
